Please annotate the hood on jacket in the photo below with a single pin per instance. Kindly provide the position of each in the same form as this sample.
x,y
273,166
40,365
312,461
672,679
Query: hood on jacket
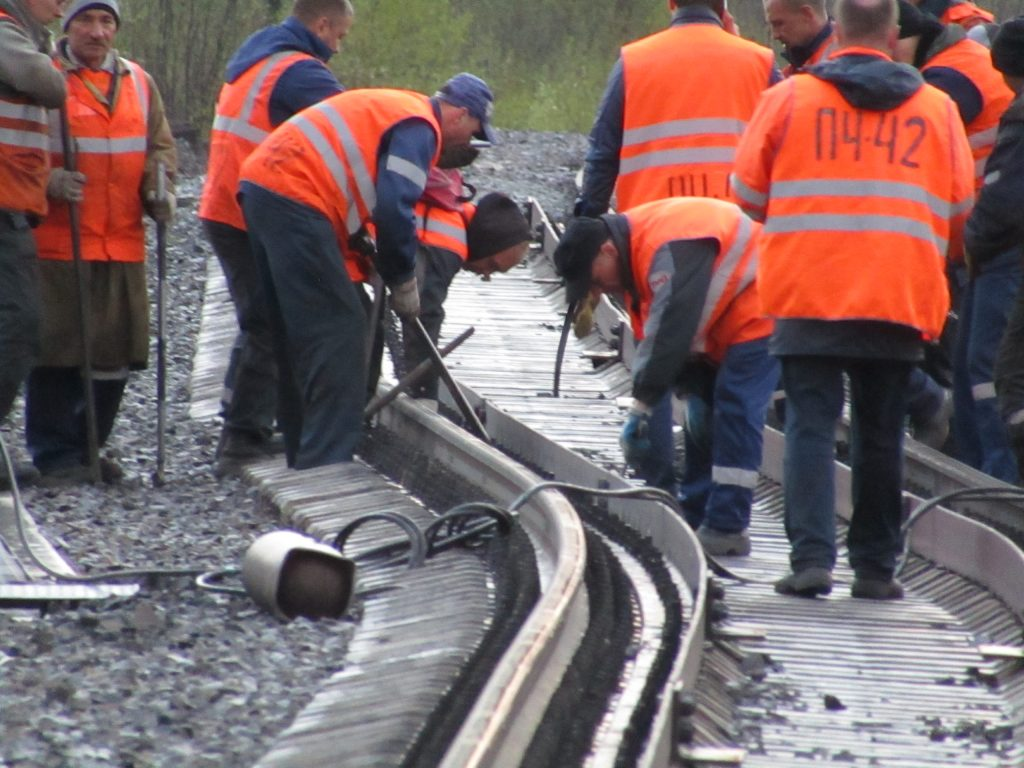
x,y
290,35
869,82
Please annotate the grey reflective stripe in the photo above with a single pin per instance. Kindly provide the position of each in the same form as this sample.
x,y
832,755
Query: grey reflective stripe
x,y
983,138
979,167
896,190
751,197
984,391
963,207
993,177
744,478
119,146
720,278
238,127
671,129
408,170
242,126
30,113
668,157
141,91
834,222
24,139
1016,417
442,228
353,157
334,165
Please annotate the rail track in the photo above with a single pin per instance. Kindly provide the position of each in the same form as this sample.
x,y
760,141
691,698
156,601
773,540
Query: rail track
x,y
729,673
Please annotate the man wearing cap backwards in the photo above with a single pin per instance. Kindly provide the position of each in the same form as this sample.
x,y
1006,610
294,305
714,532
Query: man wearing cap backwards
x,y
118,124
863,177
491,236
804,29
995,228
309,193
29,84
685,269
962,68
278,71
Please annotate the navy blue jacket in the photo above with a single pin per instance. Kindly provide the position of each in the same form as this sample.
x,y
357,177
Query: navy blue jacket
x,y
304,83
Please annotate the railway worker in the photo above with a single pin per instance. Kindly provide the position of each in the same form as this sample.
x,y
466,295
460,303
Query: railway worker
x,y
963,69
29,84
453,234
995,228
963,13
863,176
278,71
117,122
804,29
685,269
309,191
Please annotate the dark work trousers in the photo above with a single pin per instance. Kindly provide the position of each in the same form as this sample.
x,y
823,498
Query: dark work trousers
x,y
318,326
980,434
249,399
20,311
377,327
435,270
814,402
56,430
1009,376
658,469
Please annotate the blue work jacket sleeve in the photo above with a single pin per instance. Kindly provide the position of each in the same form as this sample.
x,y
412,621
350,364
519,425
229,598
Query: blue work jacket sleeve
x,y
995,225
302,85
959,88
679,278
405,157
601,167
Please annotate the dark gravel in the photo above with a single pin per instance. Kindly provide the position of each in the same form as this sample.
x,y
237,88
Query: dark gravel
x,y
177,677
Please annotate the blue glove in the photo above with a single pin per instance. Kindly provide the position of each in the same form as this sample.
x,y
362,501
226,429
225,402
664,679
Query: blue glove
x,y
635,439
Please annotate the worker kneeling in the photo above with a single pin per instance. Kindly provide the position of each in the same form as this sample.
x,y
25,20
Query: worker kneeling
x,y
685,269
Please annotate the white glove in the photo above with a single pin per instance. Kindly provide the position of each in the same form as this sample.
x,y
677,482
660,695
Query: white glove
x,y
161,211
66,185
405,299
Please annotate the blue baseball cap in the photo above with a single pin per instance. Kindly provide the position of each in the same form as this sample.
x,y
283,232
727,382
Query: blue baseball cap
x,y
469,91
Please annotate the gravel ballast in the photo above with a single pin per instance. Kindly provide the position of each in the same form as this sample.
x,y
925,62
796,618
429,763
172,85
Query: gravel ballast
x,y
175,676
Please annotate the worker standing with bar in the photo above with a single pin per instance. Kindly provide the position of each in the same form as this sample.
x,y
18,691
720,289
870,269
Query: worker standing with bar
x,y
29,85
309,193
122,137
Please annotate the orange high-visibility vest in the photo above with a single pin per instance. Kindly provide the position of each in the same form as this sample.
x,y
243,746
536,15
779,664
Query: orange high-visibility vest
x,y
966,14
325,157
24,160
680,128
241,122
444,228
111,151
732,310
860,206
827,48
974,61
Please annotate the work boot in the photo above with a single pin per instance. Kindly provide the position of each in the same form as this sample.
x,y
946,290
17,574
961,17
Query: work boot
x,y
718,543
25,474
78,474
876,589
809,582
237,448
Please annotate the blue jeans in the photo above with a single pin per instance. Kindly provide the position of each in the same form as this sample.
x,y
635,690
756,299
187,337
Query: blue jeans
x,y
659,468
814,403
724,435
978,429
318,325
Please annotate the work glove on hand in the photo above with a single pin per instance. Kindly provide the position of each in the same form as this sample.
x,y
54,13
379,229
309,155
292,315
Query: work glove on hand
x,y
161,211
635,439
583,323
66,185
405,299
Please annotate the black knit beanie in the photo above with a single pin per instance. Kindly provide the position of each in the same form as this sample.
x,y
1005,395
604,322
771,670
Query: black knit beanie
x,y
575,255
1008,48
497,224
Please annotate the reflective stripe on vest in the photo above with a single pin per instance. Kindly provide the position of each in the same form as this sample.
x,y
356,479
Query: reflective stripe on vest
x,y
111,152
442,228
241,123
680,136
24,161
